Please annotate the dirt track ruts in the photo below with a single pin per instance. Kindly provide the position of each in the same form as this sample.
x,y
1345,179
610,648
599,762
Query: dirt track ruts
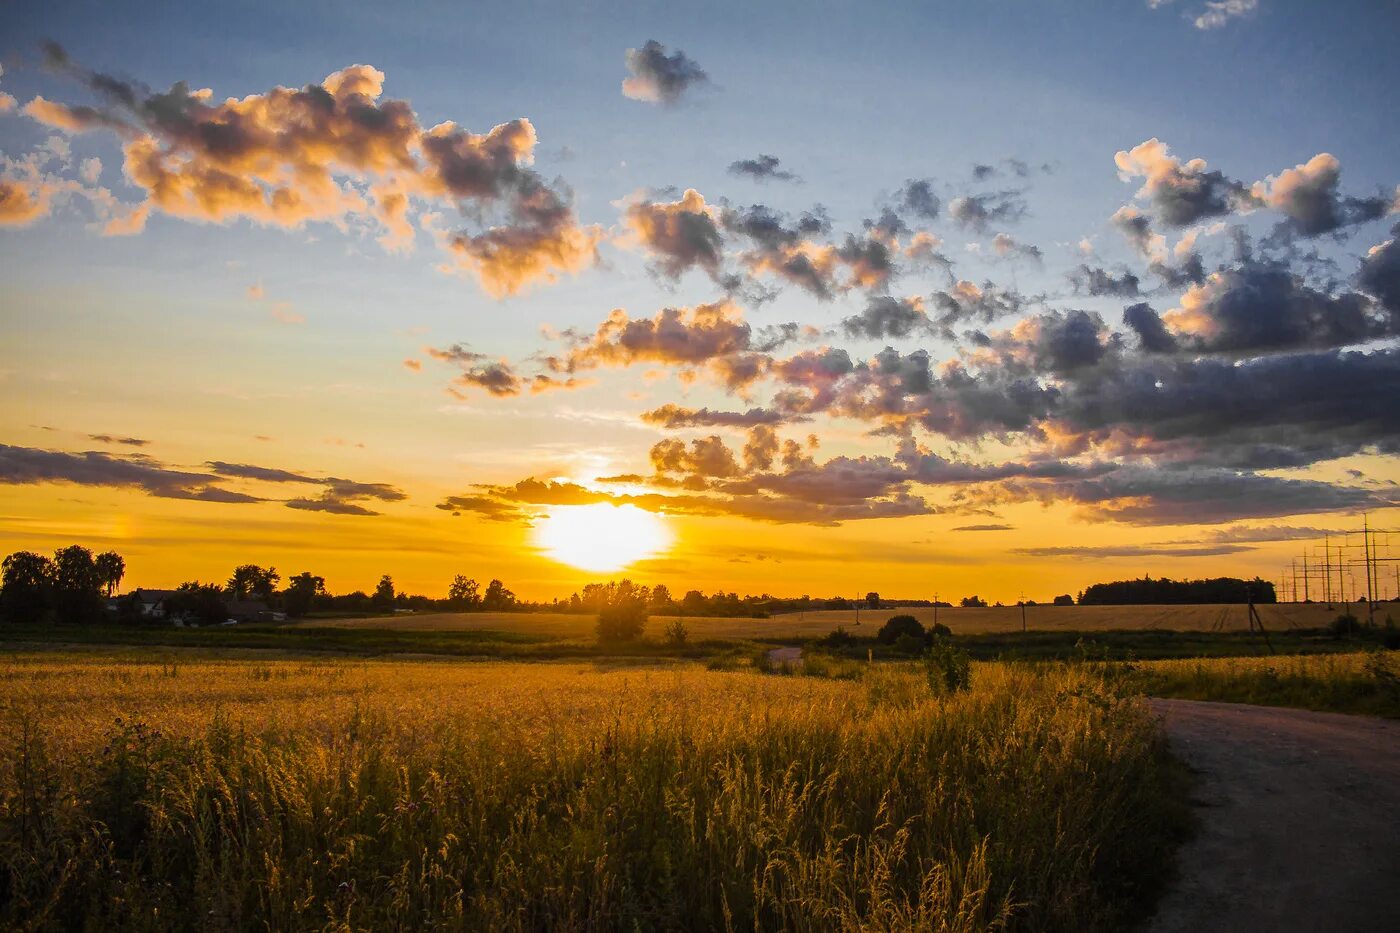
x,y
1299,821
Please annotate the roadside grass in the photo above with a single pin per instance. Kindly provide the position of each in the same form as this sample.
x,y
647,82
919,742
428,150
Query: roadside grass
x,y
1360,682
330,792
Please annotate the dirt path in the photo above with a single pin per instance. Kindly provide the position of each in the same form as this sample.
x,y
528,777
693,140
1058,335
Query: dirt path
x,y
1300,821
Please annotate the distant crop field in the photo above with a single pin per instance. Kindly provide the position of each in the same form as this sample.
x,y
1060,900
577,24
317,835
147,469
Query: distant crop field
x,y
815,624
141,792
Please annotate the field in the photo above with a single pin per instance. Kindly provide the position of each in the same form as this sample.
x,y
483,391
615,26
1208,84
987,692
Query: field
x,y
174,792
815,624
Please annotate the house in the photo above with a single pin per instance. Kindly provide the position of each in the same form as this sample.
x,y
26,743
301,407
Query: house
x,y
151,604
252,610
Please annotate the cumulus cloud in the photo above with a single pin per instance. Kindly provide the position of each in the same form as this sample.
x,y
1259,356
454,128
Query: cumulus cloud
x,y
1181,193
1308,194
1092,280
763,168
888,318
478,371
659,78
679,235
917,198
1007,245
288,157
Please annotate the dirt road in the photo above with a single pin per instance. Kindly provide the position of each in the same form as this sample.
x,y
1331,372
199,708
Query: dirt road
x,y
1300,821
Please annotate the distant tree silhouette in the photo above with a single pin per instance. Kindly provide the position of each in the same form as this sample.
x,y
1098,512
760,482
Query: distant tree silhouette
x,y
623,611
872,600
974,602
660,595
1065,600
464,593
249,581
383,598
110,570
302,592
26,587
1148,591
77,586
199,602
497,598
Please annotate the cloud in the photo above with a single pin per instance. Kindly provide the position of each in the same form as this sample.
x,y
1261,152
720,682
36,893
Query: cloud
x,y
1308,194
28,465
979,211
21,204
984,528
1103,552
674,417
917,199
1007,245
1099,282
888,318
1379,276
1181,193
1219,12
118,439
330,152
680,235
478,371
659,78
763,168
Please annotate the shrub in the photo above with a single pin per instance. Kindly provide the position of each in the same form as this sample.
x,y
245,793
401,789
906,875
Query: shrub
x,y
1344,625
621,621
939,630
909,644
840,638
898,627
1064,600
762,662
677,633
949,670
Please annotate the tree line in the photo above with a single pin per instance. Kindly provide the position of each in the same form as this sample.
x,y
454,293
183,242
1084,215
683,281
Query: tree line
x,y
1163,591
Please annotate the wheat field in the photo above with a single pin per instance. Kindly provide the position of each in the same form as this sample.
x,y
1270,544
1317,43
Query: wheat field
x,y
1281,617
141,793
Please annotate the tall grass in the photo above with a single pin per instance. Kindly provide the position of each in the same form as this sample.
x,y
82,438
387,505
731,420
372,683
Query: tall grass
x,y
287,795
1361,682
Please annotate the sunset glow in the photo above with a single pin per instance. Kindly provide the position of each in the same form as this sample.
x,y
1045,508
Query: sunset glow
x,y
601,537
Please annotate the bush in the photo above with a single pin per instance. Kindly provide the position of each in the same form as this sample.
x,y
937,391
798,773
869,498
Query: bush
x,y
909,644
898,627
677,633
949,670
1344,625
939,630
621,622
1064,600
840,638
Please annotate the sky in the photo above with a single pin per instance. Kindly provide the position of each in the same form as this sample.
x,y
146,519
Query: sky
x,y
928,299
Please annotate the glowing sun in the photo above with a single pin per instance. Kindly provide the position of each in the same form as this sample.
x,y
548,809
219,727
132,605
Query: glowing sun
x,y
601,536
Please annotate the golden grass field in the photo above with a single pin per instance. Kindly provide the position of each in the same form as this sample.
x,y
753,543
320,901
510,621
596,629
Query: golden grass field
x,y
815,624
141,792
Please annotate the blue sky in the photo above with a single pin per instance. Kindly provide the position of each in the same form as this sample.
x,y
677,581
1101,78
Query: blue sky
x,y
302,333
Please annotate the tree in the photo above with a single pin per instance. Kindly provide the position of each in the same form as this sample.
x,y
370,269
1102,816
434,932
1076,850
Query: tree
x,y
624,614
898,627
301,593
250,581
383,598
464,593
26,587
200,602
110,570
660,595
77,587
1064,600
872,600
974,602
497,598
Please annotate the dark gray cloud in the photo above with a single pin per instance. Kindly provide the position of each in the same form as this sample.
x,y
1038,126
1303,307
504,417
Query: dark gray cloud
x,y
1152,334
977,212
1309,196
28,465
917,198
1181,193
984,528
1131,550
117,439
1096,281
763,168
888,318
660,78
1379,276
678,235
675,417
478,371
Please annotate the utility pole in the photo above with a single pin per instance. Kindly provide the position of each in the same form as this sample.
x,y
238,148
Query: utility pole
x,y
1370,592
1023,613
935,607
1306,598
1294,564
1327,569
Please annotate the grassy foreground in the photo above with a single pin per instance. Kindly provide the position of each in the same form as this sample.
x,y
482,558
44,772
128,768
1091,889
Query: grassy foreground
x,y
357,795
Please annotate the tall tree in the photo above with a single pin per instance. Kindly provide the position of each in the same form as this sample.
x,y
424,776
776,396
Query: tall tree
x,y
249,581
77,586
302,592
26,587
464,593
110,569
384,593
497,597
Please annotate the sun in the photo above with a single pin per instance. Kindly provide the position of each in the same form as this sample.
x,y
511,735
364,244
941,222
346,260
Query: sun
x,y
601,536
